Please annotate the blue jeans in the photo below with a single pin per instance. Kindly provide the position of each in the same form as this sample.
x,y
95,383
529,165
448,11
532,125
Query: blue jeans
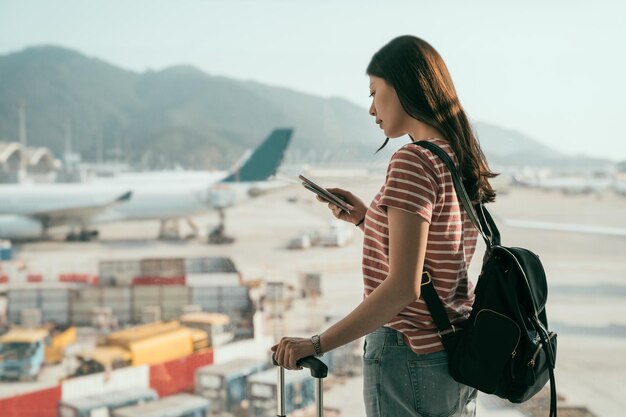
x,y
398,382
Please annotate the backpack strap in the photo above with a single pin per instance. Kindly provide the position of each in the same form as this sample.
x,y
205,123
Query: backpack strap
x,y
477,221
482,223
438,313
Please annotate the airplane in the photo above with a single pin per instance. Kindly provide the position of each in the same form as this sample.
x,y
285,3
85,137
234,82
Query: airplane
x,y
564,227
28,211
571,185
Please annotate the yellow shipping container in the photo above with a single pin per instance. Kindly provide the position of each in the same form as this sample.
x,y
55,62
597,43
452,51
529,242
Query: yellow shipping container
x,y
175,344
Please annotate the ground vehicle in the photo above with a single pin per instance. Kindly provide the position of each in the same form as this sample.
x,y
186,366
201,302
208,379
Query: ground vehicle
x,y
179,405
216,325
104,404
225,384
262,388
22,353
151,344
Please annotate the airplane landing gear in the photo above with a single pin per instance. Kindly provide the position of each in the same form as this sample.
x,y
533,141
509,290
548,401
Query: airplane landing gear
x,y
218,236
170,230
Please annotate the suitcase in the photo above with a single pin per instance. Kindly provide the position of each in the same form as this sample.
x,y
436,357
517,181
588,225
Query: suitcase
x,y
319,371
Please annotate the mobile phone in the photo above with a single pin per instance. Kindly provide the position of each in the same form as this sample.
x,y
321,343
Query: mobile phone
x,y
324,193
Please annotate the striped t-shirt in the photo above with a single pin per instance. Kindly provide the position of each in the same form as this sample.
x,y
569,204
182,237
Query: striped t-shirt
x,y
419,182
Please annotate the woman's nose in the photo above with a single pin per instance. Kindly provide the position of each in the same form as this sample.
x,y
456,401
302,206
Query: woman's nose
x,y
372,110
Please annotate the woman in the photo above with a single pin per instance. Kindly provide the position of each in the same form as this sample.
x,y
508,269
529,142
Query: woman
x,y
415,223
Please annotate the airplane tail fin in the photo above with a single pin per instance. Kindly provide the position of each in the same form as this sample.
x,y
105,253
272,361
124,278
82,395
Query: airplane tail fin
x,y
264,161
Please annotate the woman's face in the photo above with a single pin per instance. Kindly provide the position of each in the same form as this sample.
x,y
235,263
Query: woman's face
x,y
386,108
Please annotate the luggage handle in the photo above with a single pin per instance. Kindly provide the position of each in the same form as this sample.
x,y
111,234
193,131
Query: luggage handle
x,y
318,369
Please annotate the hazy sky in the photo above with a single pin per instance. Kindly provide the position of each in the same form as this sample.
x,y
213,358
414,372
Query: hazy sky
x,y
555,70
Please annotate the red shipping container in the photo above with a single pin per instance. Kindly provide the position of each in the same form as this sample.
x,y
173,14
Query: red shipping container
x,y
80,278
178,376
159,280
41,403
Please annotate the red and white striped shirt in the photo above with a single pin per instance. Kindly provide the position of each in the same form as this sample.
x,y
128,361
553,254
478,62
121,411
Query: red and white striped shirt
x,y
419,182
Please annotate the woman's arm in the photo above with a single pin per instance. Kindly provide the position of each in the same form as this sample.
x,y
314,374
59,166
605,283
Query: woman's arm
x,y
408,235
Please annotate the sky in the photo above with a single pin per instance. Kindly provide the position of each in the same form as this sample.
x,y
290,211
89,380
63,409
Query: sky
x,y
554,70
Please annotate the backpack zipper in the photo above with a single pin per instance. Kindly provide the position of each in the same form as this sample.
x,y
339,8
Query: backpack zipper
x,y
519,332
531,363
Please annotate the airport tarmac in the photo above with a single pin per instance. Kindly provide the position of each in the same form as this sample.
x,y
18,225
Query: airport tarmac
x,y
586,273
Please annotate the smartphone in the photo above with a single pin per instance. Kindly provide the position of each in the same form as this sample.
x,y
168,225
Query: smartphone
x,y
324,193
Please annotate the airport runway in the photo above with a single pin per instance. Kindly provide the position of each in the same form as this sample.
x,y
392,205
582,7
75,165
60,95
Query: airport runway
x,y
586,273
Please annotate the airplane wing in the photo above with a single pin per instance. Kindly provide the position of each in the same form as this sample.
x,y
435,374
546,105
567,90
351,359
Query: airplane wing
x,y
572,228
264,161
77,213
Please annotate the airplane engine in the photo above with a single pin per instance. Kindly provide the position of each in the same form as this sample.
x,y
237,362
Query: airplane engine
x,y
20,227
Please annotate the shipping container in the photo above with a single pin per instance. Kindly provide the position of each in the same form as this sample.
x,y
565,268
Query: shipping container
x,y
178,375
119,299
104,404
171,299
41,403
225,384
179,405
217,326
52,299
153,280
118,272
13,272
210,264
118,379
85,299
163,267
262,392
222,299
212,272
212,279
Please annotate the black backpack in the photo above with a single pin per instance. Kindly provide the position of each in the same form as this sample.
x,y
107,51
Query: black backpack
x,y
505,347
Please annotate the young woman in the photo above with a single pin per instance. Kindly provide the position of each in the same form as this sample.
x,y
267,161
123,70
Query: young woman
x,y
415,223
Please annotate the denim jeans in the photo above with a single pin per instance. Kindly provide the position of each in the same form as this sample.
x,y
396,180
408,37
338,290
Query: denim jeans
x,y
398,382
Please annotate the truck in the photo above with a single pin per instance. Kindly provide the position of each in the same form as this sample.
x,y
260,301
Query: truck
x,y
150,344
104,404
24,351
225,384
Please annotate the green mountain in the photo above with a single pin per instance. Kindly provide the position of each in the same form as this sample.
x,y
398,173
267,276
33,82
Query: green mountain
x,y
183,116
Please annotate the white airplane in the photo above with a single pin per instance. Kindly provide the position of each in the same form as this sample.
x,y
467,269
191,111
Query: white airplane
x,y
28,211
564,227
570,185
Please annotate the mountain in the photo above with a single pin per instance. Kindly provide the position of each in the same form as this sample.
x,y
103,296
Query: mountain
x,y
183,116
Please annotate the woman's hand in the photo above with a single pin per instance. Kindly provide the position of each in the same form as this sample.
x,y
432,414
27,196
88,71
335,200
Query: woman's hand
x,y
291,349
357,209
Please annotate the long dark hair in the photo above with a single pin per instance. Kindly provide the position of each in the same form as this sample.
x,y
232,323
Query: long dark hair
x,y
425,89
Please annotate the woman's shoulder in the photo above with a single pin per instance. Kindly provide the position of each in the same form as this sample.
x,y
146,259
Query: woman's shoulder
x,y
421,154
442,143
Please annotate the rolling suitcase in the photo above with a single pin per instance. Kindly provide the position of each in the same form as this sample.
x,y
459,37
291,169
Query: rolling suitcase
x,y
319,371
